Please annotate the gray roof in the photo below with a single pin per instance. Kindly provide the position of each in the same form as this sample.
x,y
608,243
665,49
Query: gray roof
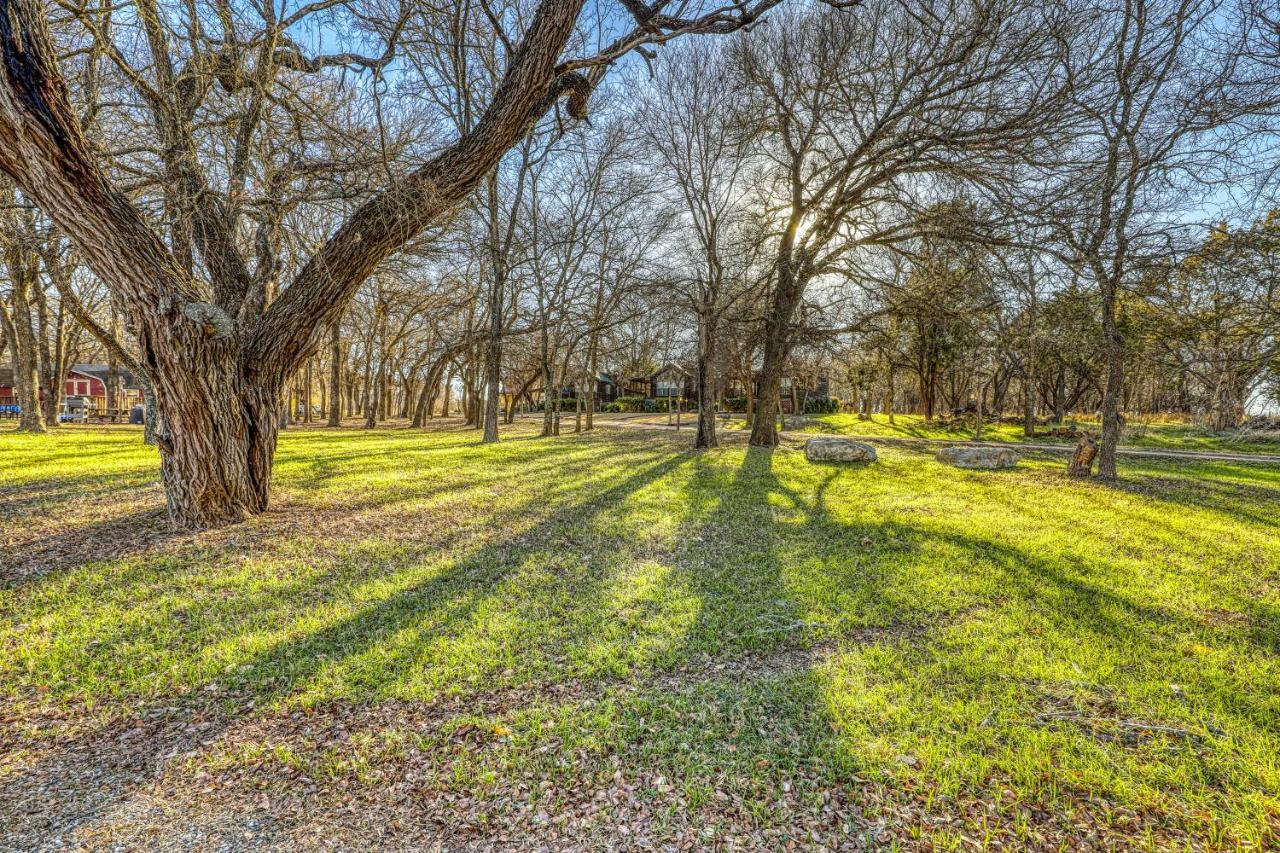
x,y
103,372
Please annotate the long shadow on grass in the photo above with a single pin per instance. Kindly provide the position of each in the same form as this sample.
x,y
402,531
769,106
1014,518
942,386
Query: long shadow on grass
x,y
432,608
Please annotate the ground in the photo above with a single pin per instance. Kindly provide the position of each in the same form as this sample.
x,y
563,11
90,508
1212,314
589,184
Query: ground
x,y
609,640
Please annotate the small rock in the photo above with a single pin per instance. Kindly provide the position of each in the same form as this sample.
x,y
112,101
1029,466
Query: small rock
x,y
978,457
838,450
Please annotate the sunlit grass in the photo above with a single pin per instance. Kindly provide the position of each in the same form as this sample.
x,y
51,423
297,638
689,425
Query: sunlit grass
x,y
1156,434
1079,647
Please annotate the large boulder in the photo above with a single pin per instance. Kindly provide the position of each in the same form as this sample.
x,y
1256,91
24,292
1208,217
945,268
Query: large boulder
x,y
838,450
978,457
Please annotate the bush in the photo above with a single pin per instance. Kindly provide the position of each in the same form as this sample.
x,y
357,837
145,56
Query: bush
x,y
828,406
734,404
628,404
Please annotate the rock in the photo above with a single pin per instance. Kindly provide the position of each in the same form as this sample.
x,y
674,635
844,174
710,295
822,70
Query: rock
x,y
978,457
838,450
797,422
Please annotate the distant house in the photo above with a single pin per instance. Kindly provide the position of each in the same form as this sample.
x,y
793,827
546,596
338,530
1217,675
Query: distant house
x,y
607,388
795,391
671,380
86,381
674,380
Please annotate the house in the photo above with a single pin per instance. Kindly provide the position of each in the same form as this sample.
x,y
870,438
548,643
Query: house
x,y
86,381
607,388
90,381
794,393
671,380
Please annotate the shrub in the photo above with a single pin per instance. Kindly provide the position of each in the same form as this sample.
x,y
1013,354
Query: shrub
x,y
734,404
629,404
827,406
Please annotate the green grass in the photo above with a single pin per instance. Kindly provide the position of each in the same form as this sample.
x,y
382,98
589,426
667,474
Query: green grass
x,y
1155,435
966,654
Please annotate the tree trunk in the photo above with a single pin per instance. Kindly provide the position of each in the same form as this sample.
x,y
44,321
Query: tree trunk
x,y
335,376
373,406
1113,352
764,423
1060,394
977,428
448,392
26,373
52,360
1082,460
216,449
889,392
306,393
577,410
493,364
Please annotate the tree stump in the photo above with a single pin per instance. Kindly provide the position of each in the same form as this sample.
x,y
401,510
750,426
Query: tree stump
x,y
1082,460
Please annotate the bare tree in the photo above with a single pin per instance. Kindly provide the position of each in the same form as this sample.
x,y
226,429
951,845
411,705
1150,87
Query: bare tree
x,y
219,355
704,153
867,119
1164,97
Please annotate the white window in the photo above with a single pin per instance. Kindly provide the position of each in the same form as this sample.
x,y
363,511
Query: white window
x,y
668,388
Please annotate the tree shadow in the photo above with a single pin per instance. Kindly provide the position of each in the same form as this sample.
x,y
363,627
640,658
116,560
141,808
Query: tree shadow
x,y
395,626
739,581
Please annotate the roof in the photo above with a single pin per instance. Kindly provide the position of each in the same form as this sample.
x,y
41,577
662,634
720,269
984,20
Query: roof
x,y
669,366
102,372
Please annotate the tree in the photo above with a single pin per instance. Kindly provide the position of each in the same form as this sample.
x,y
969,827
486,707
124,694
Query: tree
x,y
850,111
1162,96
219,355
691,124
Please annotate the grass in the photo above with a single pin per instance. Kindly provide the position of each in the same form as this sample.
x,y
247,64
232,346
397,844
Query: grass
x,y
1164,435
752,643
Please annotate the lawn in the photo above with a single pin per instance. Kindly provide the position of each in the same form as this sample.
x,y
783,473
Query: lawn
x,y
608,639
1154,435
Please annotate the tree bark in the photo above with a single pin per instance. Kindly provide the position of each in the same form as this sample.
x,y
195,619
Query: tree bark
x,y
17,320
335,376
1082,460
218,392
1029,371
1113,353
53,358
706,432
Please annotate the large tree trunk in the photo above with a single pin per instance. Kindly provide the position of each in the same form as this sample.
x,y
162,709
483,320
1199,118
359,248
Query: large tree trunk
x,y
218,441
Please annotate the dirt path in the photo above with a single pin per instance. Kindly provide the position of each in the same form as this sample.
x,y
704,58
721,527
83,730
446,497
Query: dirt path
x,y
1149,452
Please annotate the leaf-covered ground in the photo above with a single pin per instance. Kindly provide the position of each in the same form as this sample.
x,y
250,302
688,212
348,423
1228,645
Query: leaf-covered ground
x,y
609,640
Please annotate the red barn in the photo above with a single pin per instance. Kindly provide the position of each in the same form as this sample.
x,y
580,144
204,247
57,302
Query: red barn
x,y
88,381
